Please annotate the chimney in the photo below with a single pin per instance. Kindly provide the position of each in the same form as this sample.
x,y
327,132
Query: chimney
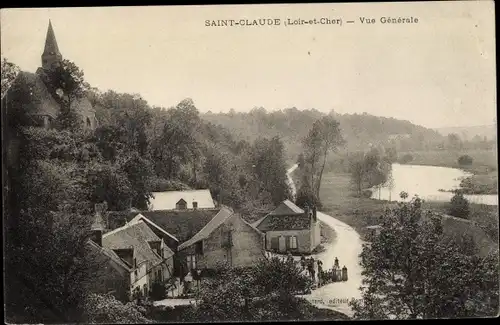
x,y
97,227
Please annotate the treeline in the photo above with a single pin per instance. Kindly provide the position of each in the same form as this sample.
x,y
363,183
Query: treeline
x,y
359,130
56,175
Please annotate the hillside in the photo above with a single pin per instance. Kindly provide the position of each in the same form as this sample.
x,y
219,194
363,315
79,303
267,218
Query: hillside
x,y
469,132
360,130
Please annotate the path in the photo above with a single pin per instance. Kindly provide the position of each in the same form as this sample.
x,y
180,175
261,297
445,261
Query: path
x,y
346,246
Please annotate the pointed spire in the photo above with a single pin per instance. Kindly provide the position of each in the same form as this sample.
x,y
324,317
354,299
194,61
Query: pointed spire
x,y
51,52
51,47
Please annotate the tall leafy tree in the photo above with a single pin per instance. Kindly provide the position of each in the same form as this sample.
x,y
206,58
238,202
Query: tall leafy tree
x,y
67,84
324,137
413,270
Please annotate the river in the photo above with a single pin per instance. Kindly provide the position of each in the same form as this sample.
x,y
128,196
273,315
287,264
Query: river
x,y
426,182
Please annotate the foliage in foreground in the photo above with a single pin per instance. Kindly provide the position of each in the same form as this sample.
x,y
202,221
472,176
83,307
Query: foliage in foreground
x,y
263,292
413,271
105,309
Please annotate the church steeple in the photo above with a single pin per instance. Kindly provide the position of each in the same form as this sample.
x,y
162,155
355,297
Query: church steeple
x,y
51,52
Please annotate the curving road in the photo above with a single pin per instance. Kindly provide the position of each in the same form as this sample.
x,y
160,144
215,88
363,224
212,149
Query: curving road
x,y
346,246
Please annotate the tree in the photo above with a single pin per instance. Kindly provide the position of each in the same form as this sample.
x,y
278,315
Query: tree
x,y
459,206
324,137
358,171
465,160
67,84
413,270
261,292
391,154
454,141
9,73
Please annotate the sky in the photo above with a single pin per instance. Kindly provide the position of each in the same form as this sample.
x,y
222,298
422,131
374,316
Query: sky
x,y
439,72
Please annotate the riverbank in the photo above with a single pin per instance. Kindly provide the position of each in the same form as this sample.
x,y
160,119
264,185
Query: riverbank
x,y
362,212
484,170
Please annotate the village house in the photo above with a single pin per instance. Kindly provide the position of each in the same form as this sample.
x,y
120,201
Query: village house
x,y
206,236
111,275
136,249
227,238
290,229
182,200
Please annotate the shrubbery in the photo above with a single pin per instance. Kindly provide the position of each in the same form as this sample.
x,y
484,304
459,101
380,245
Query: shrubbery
x,y
465,160
459,206
406,159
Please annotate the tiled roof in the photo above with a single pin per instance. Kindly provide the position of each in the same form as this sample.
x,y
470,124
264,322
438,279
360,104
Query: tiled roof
x,y
168,200
287,216
219,219
286,208
291,222
183,224
111,254
140,217
135,235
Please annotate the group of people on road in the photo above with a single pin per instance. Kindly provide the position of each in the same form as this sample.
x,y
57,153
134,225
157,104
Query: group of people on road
x,y
318,274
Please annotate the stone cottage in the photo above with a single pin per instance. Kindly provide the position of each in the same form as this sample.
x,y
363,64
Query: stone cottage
x,y
290,229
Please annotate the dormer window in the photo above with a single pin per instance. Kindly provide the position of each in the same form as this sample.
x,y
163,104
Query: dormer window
x,y
181,205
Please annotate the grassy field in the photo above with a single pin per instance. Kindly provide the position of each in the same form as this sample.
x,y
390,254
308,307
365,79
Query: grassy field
x,y
362,212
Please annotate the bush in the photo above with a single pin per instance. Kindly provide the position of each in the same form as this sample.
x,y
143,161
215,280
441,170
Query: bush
x,y
106,309
459,206
306,197
465,160
406,159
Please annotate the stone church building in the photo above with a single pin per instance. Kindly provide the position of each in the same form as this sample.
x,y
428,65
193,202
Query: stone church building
x,y
30,93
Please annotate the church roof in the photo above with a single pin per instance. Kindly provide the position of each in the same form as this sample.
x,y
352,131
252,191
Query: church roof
x,y
29,90
51,47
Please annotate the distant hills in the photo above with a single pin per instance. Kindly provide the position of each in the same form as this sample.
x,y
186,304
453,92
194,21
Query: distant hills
x,y
469,132
360,130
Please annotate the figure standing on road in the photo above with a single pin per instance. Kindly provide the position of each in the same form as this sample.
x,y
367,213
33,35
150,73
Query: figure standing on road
x,y
336,262
303,262
344,273
320,272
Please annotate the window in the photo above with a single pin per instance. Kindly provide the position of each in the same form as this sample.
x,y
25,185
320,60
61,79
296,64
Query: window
x,y
181,205
293,242
274,243
226,239
195,205
191,262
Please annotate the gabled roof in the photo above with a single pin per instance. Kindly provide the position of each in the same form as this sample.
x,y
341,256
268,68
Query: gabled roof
x,y
290,222
183,224
140,217
168,200
111,254
219,219
287,216
286,208
136,236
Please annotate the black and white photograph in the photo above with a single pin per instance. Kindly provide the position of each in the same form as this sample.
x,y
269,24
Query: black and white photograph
x,y
250,163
